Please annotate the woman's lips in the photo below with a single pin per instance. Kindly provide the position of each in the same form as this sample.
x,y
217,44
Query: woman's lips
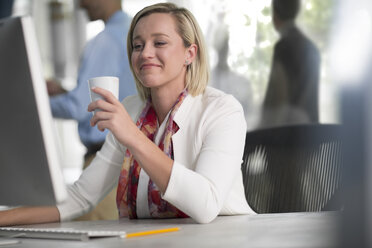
x,y
148,66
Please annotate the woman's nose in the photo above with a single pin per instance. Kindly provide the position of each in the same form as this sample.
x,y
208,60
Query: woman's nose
x,y
147,51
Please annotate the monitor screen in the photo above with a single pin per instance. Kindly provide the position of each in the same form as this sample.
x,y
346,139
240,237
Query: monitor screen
x,y
30,172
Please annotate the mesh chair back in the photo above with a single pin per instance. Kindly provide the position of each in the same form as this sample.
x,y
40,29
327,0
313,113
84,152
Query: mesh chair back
x,y
293,168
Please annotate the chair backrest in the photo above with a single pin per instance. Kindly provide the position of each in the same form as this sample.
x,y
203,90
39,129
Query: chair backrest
x,y
294,168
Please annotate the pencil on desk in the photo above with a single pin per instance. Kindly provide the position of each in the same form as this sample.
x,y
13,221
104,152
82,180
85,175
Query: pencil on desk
x,y
137,234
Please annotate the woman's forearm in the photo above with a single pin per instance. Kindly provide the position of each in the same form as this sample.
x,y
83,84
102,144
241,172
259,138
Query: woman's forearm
x,y
29,215
153,160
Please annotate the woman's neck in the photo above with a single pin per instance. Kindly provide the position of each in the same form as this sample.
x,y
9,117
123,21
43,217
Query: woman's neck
x,y
163,101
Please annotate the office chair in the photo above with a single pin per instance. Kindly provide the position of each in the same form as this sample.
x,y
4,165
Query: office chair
x,y
295,168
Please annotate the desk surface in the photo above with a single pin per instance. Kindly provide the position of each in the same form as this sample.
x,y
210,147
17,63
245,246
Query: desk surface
x,y
265,230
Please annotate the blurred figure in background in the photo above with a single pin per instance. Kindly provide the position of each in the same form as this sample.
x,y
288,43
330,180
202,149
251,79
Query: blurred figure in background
x,y
292,92
104,55
227,80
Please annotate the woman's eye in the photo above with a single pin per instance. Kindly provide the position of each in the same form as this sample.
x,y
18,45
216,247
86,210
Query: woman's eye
x,y
137,47
160,43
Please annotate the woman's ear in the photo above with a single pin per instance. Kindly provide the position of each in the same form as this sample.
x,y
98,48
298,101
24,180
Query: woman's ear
x,y
191,53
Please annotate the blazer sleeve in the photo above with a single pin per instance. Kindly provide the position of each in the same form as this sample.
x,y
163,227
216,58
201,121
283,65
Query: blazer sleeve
x,y
201,192
98,179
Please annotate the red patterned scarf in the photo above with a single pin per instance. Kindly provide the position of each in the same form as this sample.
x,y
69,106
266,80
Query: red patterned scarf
x,y
129,176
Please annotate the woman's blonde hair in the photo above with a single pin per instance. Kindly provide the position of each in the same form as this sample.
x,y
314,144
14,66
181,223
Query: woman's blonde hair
x,y
197,74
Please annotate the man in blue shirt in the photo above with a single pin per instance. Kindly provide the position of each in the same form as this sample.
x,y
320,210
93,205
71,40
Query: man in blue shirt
x,y
104,55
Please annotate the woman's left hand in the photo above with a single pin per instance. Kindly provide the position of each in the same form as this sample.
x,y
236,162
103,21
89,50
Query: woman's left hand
x,y
112,115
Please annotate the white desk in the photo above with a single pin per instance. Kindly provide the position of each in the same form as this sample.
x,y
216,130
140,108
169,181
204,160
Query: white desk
x,y
266,230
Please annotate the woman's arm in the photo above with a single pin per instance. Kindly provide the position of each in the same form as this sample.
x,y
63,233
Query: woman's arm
x,y
94,183
212,179
29,215
115,118
153,160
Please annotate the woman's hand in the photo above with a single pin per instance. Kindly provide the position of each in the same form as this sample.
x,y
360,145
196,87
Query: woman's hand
x,y
112,115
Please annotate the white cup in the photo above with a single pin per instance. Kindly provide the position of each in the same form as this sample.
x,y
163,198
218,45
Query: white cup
x,y
108,83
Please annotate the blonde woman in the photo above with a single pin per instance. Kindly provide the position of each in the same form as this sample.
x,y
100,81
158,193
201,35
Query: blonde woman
x,y
175,149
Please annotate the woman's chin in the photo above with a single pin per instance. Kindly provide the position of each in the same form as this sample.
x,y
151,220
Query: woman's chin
x,y
149,82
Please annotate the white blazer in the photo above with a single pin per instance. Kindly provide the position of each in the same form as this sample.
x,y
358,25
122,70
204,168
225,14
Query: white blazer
x,y
206,178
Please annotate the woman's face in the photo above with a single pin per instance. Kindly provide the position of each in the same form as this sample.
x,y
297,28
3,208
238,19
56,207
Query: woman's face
x,y
159,55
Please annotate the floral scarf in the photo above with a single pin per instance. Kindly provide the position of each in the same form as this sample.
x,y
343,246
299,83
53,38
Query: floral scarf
x,y
129,176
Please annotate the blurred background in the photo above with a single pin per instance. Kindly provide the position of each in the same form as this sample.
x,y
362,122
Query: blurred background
x,y
240,36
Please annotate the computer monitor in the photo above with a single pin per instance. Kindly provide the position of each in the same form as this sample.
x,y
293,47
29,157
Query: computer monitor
x,y
30,172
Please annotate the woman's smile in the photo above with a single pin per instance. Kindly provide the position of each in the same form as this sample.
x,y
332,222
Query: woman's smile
x,y
146,66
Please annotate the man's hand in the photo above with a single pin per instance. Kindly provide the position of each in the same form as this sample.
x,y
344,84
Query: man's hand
x,y
54,88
